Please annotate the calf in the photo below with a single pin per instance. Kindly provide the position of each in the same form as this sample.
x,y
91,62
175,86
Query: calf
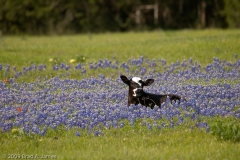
x,y
137,95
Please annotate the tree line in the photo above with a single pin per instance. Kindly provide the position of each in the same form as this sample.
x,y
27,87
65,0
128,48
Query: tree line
x,y
77,16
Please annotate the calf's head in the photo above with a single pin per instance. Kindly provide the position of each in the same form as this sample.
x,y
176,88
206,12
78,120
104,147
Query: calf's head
x,y
136,85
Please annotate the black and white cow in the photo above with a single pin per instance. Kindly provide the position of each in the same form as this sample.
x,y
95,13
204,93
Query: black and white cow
x,y
136,94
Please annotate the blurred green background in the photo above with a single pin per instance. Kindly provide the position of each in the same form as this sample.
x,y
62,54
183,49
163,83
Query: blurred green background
x,y
69,17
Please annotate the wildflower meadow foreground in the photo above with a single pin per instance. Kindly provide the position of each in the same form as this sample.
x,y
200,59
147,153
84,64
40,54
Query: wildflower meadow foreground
x,y
97,104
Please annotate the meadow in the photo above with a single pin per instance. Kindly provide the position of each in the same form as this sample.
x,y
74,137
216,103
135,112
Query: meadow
x,y
61,96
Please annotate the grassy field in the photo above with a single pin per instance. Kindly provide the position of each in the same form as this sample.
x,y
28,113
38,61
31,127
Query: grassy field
x,y
201,46
169,45
126,143
130,142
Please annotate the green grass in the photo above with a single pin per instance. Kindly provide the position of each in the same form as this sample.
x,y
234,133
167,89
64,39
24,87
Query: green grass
x,y
125,143
169,45
128,142
201,46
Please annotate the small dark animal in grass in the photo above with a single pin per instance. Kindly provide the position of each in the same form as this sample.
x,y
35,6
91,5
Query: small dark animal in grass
x,y
137,95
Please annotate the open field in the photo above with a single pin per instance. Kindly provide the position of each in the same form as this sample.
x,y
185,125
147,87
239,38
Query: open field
x,y
78,110
169,45
125,143
201,46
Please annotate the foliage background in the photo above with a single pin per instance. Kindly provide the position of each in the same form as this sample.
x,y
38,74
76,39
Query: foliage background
x,y
64,17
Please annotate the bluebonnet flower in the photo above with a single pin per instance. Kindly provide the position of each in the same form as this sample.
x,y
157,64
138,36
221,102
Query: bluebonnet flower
x,y
78,66
172,124
97,133
67,67
207,129
40,67
7,67
149,126
26,128
90,102
83,70
121,124
17,75
143,71
55,67
78,134
202,125
35,129
62,66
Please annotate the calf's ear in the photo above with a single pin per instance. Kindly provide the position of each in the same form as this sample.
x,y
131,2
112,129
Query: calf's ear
x,y
148,82
125,79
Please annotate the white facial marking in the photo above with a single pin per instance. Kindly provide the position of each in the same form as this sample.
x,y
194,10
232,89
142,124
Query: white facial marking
x,y
136,80
134,92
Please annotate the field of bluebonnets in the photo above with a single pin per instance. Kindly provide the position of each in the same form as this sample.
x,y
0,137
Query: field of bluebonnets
x,y
91,106
100,102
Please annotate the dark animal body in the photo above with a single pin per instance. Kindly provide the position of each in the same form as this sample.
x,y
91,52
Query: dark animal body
x,y
136,94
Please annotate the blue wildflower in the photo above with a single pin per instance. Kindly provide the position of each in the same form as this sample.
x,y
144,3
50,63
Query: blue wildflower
x,y
78,134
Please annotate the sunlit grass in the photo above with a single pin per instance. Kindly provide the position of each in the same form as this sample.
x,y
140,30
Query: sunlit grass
x,y
171,46
201,46
129,142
